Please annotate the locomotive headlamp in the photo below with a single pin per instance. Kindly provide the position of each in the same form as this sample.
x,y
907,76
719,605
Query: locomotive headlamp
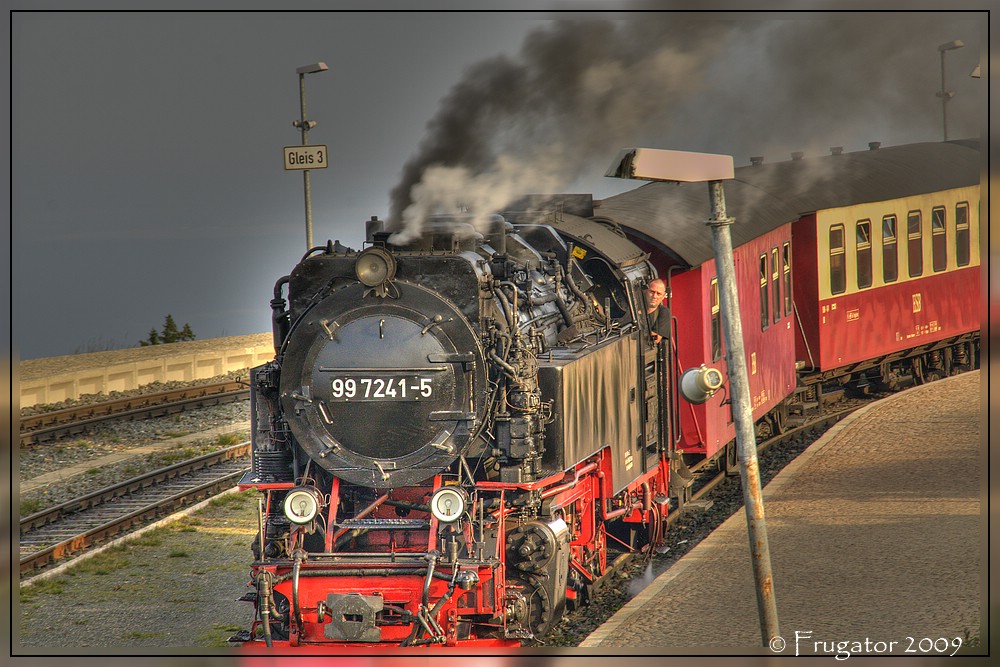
x,y
700,384
302,504
375,266
448,504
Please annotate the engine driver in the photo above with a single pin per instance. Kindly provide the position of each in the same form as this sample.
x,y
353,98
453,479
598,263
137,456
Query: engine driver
x,y
657,314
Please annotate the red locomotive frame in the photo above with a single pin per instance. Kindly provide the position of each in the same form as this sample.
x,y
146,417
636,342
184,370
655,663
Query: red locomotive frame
x,y
583,495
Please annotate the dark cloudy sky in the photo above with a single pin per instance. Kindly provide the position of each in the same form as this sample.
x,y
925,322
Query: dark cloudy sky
x,y
147,148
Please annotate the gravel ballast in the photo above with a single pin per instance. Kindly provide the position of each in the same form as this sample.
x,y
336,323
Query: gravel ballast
x,y
175,586
173,434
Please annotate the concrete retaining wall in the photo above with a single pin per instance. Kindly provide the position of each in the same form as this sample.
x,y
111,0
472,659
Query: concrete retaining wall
x,y
61,378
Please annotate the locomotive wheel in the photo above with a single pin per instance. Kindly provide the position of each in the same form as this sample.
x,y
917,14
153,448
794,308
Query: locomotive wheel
x,y
539,608
279,628
601,543
584,591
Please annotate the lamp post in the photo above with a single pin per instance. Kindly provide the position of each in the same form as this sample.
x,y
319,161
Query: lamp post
x,y
677,166
946,94
305,125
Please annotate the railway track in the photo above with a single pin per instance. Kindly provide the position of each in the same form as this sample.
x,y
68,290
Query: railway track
x,y
57,424
69,529
818,425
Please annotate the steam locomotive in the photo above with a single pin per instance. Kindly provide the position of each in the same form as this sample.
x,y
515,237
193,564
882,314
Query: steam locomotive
x,y
450,432
454,429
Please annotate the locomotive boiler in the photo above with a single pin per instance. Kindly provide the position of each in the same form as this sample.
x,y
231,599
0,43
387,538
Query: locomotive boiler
x,y
451,431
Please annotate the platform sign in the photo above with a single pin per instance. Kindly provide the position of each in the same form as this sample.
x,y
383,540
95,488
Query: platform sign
x,y
305,157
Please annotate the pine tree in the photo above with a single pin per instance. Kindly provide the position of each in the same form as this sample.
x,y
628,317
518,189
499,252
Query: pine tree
x,y
154,338
170,333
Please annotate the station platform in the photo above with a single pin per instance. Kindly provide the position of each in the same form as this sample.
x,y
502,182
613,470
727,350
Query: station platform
x,y
877,535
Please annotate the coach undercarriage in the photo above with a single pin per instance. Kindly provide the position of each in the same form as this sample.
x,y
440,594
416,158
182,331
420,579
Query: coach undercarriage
x,y
889,373
893,372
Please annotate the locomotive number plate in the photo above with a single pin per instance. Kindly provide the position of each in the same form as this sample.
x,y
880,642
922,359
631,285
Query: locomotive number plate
x,y
393,388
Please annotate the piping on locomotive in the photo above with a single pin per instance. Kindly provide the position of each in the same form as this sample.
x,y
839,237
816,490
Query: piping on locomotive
x,y
450,433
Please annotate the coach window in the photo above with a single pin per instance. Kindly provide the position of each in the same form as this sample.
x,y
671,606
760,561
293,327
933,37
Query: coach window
x,y
962,233
914,244
838,271
939,242
765,313
786,259
716,323
775,286
863,244
890,252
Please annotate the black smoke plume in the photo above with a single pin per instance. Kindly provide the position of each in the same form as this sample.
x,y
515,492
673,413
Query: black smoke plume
x,y
578,91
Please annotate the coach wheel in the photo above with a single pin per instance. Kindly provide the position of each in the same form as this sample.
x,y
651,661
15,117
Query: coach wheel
x,y
933,374
732,460
959,357
780,416
763,429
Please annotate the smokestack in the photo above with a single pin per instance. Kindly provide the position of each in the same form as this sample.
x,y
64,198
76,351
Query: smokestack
x,y
874,145
836,150
756,160
797,155
372,226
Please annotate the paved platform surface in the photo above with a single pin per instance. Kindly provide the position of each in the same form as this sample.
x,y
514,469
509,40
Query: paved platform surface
x,y
877,532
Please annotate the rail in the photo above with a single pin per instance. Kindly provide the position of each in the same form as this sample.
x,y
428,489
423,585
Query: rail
x,y
72,527
53,425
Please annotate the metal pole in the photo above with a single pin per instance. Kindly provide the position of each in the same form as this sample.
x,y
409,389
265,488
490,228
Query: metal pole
x,y
944,101
739,387
304,126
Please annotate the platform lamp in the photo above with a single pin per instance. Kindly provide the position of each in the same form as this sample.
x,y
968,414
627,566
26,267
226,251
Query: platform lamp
x,y
946,94
683,167
306,125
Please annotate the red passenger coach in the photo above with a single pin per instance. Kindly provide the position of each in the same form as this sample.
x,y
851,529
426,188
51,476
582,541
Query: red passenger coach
x,y
859,268
886,277
768,334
